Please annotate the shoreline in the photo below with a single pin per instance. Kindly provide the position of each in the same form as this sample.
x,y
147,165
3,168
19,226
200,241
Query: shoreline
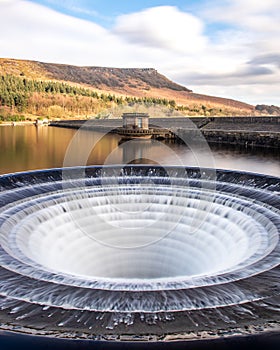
x,y
24,123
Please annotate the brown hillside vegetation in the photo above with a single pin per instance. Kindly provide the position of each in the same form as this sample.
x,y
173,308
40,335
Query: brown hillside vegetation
x,y
139,83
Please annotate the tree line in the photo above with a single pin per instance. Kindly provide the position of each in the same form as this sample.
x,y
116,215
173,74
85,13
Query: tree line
x,y
19,95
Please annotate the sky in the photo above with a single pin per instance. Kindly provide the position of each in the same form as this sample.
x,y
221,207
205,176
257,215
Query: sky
x,y
228,48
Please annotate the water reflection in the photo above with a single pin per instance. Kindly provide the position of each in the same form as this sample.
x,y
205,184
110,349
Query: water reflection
x,y
29,147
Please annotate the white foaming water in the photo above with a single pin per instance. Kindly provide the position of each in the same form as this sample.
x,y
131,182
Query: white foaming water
x,y
144,236
130,246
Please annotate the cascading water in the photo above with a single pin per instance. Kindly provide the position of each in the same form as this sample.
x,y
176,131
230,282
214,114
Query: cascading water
x,y
107,250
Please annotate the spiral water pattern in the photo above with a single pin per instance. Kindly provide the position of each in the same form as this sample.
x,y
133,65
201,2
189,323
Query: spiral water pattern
x,y
110,250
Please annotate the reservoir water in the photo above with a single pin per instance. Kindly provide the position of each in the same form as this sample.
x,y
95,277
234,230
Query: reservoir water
x,y
28,147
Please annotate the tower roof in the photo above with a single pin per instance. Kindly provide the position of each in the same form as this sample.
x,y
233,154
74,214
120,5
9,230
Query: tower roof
x,y
135,115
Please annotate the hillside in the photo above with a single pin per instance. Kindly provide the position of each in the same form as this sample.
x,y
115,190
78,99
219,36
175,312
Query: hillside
x,y
271,110
58,90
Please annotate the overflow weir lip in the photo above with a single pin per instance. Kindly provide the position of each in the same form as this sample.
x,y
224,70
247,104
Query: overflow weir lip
x,y
206,262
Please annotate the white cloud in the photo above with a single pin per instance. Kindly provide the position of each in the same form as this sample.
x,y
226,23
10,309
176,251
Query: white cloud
x,y
259,18
33,31
164,27
235,11
231,64
253,94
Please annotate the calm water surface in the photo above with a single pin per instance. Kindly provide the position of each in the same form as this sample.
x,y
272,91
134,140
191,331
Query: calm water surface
x,y
28,147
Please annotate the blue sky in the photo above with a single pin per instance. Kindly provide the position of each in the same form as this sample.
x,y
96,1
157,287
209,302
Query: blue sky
x,y
225,48
104,12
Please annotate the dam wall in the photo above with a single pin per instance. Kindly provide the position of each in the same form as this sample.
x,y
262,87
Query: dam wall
x,y
244,131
